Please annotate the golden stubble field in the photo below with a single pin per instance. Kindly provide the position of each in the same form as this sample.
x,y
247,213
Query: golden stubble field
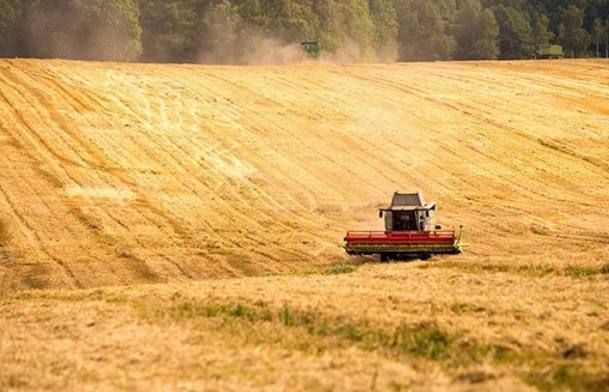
x,y
178,227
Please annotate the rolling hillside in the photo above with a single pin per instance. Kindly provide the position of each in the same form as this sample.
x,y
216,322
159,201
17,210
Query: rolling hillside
x,y
233,186
117,174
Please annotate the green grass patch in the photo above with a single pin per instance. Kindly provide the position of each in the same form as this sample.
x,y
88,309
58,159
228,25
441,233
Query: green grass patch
x,y
568,377
579,272
586,272
495,353
534,270
287,317
537,270
465,307
3,233
426,340
338,269
192,310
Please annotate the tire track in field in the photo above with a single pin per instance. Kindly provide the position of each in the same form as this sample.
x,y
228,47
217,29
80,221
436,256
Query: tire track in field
x,y
39,141
35,240
287,166
238,119
239,171
145,149
471,112
66,125
443,143
177,227
365,145
187,171
560,184
233,116
332,146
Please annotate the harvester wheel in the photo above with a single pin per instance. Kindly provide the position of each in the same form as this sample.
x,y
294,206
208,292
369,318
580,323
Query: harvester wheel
x,y
384,258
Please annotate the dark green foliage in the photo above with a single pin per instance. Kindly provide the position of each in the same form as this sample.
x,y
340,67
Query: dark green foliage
x,y
541,34
571,32
92,30
217,33
385,22
10,14
599,32
424,32
167,30
477,32
252,31
516,33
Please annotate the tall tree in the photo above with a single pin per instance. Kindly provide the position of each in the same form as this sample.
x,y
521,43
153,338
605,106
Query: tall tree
x,y
91,30
385,21
423,31
541,32
516,33
598,35
607,38
179,30
356,31
476,32
168,27
10,13
571,32
219,33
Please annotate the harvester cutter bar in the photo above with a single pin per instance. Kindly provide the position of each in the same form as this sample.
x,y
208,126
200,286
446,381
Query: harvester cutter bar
x,y
378,242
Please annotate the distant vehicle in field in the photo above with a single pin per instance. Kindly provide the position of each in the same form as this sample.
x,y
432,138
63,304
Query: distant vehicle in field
x,y
311,48
551,52
409,232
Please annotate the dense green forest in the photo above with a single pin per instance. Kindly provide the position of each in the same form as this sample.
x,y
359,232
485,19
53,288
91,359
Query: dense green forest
x,y
242,31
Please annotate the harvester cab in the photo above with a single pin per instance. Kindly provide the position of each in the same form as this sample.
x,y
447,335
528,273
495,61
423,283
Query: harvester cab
x,y
409,232
407,212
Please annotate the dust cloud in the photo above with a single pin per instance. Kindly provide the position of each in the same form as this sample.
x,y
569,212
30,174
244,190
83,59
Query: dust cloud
x,y
257,50
64,32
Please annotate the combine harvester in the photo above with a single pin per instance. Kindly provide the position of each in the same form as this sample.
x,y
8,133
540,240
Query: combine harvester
x,y
409,232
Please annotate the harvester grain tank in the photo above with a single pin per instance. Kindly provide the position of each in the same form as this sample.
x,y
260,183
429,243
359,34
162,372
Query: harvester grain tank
x,y
553,52
409,232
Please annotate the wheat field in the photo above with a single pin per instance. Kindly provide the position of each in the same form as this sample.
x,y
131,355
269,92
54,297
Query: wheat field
x,y
178,227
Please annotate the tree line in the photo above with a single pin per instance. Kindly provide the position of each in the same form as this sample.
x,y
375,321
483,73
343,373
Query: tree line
x,y
229,31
